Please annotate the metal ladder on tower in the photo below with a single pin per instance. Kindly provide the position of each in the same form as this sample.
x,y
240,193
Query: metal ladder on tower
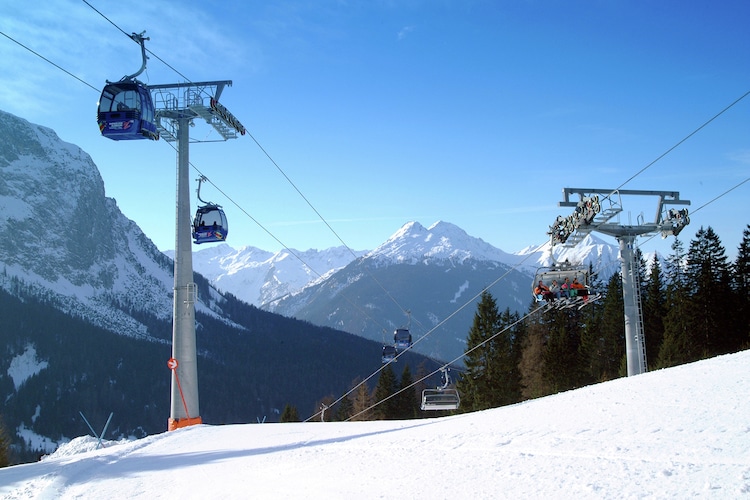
x,y
640,337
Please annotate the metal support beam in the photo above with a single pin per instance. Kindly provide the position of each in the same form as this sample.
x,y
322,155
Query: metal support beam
x,y
634,347
184,409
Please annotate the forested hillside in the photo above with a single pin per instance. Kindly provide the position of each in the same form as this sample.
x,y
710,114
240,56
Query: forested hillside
x,y
696,305
244,375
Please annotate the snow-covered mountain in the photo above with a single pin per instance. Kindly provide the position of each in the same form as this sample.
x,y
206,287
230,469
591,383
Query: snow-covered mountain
x,y
434,273
69,242
258,277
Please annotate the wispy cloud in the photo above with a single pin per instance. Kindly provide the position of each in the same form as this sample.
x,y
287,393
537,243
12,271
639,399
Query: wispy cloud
x,y
404,32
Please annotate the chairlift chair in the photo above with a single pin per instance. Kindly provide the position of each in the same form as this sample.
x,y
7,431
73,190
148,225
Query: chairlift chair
x,y
559,272
441,398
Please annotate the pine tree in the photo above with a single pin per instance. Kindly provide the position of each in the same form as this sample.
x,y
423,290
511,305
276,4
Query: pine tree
x,y
675,266
509,357
407,400
741,286
492,378
361,404
679,345
591,319
708,272
563,369
289,414
603,345
4,445
531,366
654,310
386,387
344,410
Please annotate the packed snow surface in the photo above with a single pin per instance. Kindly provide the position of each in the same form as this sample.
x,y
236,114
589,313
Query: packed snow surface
x,y
682,432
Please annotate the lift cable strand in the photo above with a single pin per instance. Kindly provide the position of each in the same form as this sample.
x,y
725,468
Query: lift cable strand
x,y
47,60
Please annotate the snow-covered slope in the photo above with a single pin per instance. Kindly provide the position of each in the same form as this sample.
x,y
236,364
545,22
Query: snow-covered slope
x,y
676,433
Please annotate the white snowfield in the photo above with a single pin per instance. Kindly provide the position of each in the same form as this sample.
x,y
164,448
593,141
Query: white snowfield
x,y
677,433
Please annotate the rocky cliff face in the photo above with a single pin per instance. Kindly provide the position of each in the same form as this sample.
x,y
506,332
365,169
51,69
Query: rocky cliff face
x,y
63,237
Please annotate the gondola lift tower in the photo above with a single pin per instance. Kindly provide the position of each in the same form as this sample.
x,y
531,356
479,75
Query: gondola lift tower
x,y
607,203
130,109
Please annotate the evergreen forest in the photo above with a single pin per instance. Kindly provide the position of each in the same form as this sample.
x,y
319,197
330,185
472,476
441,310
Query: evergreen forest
x,y
695,305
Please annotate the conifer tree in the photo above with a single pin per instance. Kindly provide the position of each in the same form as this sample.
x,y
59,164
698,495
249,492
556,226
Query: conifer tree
x,y
604,345
386,387
407,400
654,310
591,318
509,355
4,445
491,377
741,285
675,266
362,403
531,366
289,414
344,410
679,345
708,272
563,369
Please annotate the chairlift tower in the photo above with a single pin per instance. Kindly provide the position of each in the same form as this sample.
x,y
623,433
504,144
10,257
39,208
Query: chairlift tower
x,y
176,106
609,204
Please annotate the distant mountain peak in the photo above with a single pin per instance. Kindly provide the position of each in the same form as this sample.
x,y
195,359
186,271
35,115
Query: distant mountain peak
x,y
442,240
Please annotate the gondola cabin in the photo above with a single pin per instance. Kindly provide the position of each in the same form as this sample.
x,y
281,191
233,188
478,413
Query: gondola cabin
x,y
402,338
389,353
210,225
126,112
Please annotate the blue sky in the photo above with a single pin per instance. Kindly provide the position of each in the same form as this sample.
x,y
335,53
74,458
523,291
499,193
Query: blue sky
x,y
477,113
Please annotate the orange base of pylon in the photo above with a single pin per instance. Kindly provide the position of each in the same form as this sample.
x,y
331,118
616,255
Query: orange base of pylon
x,y
178,423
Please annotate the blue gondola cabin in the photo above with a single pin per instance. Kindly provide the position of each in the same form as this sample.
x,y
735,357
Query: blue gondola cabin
x,y
402,338
389,354
126,112
210,225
